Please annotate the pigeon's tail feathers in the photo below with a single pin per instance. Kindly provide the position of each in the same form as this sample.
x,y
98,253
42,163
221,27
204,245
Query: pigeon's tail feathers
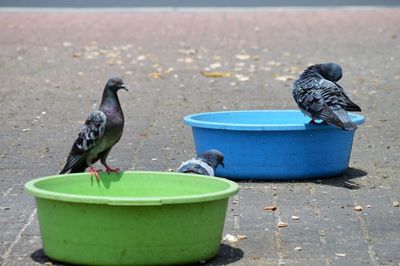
x,y
347,104
75,164
79,167
351,106
337,117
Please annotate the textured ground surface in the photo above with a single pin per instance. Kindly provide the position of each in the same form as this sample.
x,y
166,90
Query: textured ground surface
x,y
53,67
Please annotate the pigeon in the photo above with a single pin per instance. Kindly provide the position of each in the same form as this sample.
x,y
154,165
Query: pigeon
x,y
319,96
101,131
205,164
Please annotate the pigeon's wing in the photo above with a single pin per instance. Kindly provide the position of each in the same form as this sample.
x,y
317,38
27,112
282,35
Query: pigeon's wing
x,y
348,104
322,99
335,102
196,166
191,167
308,97
91,132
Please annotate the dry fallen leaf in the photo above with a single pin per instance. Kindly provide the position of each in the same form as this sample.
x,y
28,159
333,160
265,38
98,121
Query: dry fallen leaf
x,y
270,208
284,77
188,60
230,238
396,204
273,63
298,249
77,55
340,254
358,208
168,70
292,70
155,75
295,217
282,224
26,129
187,51
266,68
242,56
241,237
241,77
215,65
141,57
209,74
67,44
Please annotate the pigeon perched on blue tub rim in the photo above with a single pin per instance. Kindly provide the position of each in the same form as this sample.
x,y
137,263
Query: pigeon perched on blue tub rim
x,y
101,131
204,164
319,96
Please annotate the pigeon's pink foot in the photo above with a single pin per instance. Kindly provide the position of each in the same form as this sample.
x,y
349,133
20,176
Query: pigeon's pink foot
x,y
94,172
111,170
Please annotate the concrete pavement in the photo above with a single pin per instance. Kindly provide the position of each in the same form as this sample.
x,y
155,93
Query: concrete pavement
x,y
53,67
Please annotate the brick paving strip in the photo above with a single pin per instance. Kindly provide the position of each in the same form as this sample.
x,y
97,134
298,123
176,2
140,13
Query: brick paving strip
x,y
53,67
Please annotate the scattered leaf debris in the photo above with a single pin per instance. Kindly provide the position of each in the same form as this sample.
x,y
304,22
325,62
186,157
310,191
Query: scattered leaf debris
x,y
241,237
282,224
270,208
230,238
358,208
156,75
210,74
242,56
351,185
284,77
340,254
241,77
67,44
273,63
215,65
395,203
298,248
294,217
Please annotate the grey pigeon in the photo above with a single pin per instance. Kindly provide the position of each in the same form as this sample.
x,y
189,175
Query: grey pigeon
x,y
205,164
319,96
101,131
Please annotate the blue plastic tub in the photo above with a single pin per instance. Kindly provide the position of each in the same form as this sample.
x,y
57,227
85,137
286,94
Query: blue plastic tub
x,y
273,144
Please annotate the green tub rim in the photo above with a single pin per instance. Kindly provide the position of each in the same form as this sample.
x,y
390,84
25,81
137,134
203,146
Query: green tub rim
x,y
231,189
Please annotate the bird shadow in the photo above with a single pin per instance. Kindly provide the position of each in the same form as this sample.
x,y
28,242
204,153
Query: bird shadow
x,y
344,180
106,179
226,255
40,257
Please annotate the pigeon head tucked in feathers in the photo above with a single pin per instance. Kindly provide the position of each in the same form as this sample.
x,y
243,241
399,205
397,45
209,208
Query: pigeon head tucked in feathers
x,y
213,158
331,71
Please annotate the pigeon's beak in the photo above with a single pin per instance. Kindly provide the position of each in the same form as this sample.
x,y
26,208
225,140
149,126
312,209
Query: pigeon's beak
x,y
223,165
123,86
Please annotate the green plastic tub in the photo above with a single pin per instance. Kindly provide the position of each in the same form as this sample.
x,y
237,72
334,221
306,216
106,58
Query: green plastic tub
x,y
131,218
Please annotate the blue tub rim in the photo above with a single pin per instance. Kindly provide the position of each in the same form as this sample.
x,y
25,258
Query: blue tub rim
x,y
191,120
